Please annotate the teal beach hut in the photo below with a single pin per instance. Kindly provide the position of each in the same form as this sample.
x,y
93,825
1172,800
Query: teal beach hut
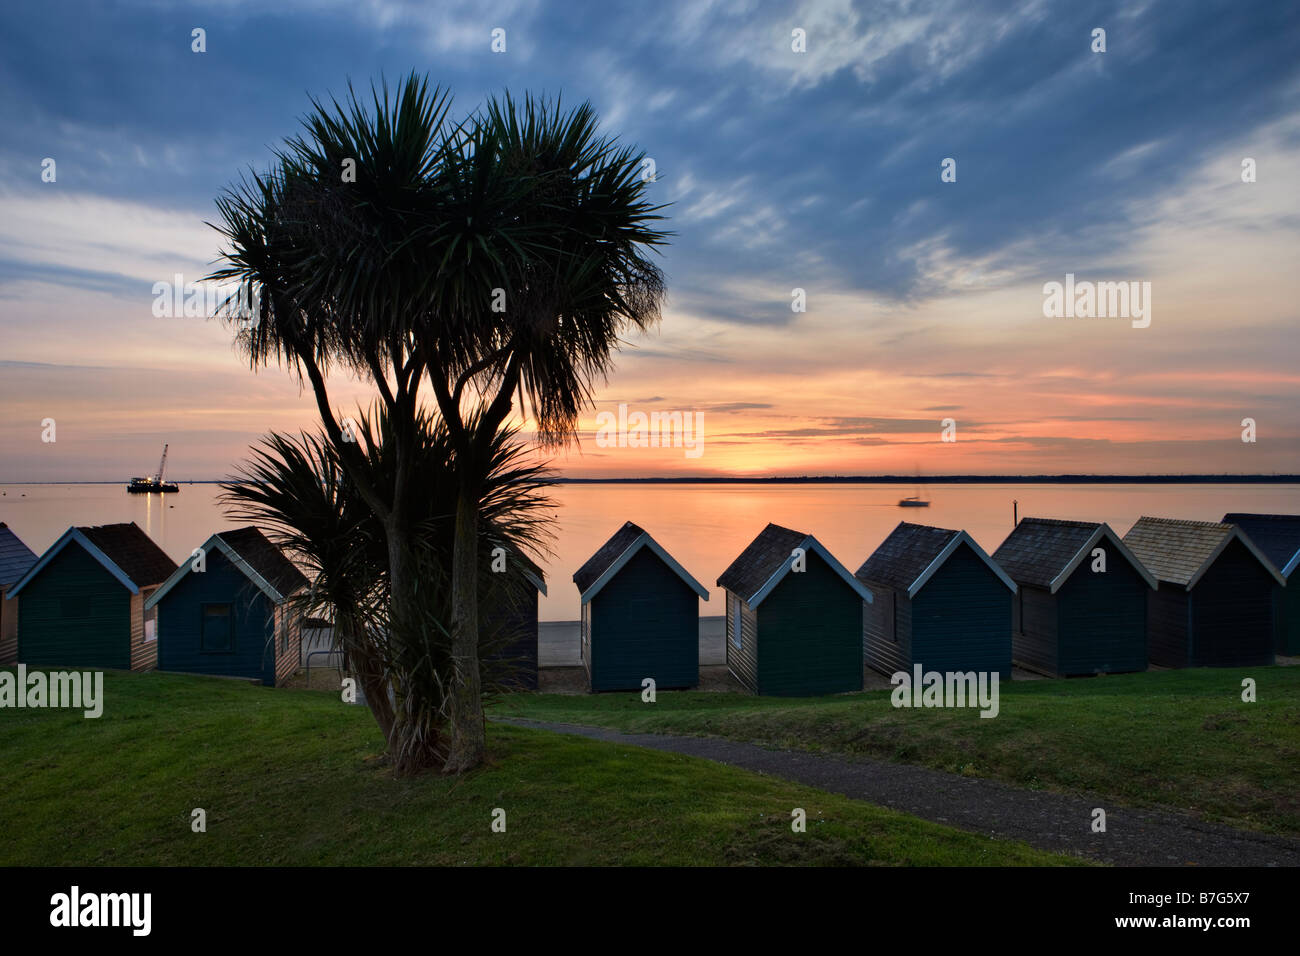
x,y
1278,536
941,602
1214,603
640,615
1081,598
16,559
794,617
230,615
82,602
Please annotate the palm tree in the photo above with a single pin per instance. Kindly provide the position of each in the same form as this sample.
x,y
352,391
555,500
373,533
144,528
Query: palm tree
x,y
386,240
551,218
297,489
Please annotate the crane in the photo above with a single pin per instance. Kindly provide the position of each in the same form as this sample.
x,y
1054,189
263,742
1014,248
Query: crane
x,y
154,483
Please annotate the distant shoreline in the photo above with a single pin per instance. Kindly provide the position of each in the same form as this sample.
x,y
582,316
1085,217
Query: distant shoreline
x,y
866,480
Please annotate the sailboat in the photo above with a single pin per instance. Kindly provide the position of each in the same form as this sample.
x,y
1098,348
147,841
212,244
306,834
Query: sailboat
x,y
915,501
154,483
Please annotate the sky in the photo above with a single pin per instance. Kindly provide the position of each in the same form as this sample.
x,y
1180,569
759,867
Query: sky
x,y
924,345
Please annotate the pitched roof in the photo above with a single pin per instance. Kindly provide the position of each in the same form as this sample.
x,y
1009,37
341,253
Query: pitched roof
x,y
133,551
1039,549
1180,552
266,559
606,555
254,556
1044,552
911,554
768,558
15,557
611,556
904,555
124,550
530,569
763,557
1278,536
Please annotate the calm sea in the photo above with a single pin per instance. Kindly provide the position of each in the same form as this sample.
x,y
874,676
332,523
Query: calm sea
x,y
703,526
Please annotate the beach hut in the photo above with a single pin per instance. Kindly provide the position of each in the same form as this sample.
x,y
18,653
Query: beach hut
x,y
794,617
1081,598
510,624
1214,604
16,559
940,601
227,613
1278,536
82,602
640,615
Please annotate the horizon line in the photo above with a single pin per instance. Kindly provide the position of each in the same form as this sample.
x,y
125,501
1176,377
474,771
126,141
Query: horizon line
x,y
1070,477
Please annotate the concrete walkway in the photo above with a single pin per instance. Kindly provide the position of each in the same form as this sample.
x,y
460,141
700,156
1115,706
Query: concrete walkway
x,y
559,643
1049,821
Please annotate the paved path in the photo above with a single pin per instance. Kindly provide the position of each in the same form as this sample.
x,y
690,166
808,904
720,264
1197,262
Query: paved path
x,y
1050,821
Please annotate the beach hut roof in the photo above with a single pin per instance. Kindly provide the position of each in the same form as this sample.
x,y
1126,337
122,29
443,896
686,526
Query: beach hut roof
x,y
912,553
1278,536
1179,551
611,556
252,553
16,559
532,573
124,550
1043,552
769,558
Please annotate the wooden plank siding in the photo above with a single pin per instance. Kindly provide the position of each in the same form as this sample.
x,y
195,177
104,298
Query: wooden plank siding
x,y
1226,620
960,620
810,634
887,630
144,654
1034,639
8,629
1232,612
742,661
645,622
584,646
1168,608
74,613
288,656
1286,603
1102,620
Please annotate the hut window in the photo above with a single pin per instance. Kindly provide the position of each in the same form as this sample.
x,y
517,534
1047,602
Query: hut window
x,y
737,620
218,629
150,618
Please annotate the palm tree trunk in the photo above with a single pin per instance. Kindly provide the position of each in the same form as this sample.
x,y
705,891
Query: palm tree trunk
x,y
376,690
468,740
414,747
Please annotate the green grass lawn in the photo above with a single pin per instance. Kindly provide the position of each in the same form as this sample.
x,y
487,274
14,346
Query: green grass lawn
x,y
1174,739
291,777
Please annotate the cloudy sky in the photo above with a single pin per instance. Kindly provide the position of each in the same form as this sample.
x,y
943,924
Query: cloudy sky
x,y
816,170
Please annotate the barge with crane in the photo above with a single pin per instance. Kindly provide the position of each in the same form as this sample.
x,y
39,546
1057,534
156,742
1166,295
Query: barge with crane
x,y
154,484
